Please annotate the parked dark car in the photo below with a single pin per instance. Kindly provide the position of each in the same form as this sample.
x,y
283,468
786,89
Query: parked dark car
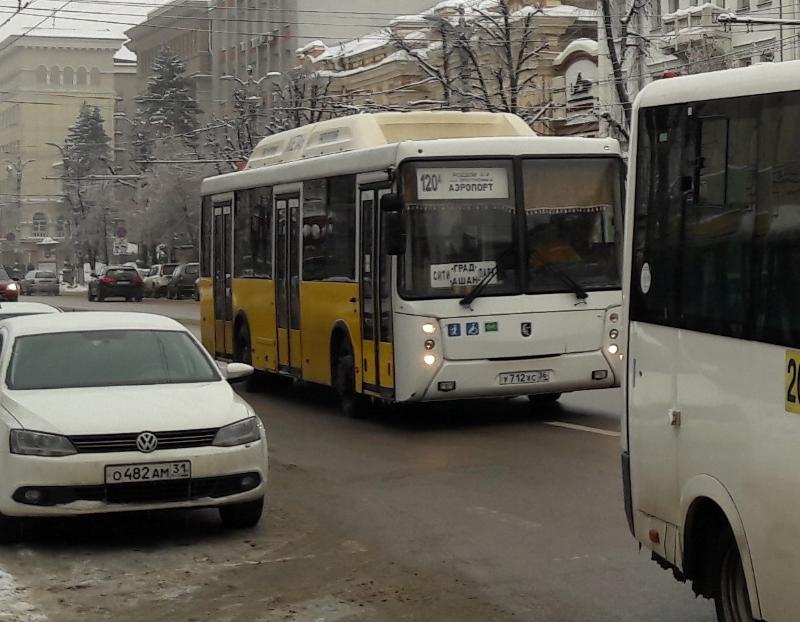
x,y
40,282
182,282
9,288
116,282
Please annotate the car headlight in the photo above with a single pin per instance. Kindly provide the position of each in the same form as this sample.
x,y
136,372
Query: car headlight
x,y
239,433
27,443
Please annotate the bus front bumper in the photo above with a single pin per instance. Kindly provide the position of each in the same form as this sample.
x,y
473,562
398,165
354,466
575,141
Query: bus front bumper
x,y
511,377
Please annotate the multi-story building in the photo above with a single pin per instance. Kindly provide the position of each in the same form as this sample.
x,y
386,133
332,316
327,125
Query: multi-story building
x,y
184,26
47,76
677,37
265,34
393,68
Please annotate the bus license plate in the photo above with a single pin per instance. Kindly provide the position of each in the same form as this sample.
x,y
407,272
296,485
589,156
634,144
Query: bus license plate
x,y
152,472
525,377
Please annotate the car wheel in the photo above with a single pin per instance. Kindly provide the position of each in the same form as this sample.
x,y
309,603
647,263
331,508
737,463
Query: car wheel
x,y
242,515
91,298
127,298
138,299
100,297
731,599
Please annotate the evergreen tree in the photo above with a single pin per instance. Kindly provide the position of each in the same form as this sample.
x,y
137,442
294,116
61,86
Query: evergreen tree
x,y
168,106
87,152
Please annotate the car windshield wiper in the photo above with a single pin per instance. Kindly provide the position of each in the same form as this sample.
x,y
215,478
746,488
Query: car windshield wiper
x,y
576,287
479,287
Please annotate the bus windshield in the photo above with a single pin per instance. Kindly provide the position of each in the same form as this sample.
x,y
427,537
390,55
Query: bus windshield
x,y
463,222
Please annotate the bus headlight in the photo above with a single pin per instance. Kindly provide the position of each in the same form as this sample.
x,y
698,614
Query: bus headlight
x,y
613,349
430,344
428,329
429,359
613,333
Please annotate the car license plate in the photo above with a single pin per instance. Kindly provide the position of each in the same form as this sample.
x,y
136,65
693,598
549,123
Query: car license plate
x,y
123,282
525,377
152,472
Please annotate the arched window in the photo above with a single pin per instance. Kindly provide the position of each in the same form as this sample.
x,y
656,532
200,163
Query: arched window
x,y
82,77
94,76
55,75
69,76
39,225
41,74
62,227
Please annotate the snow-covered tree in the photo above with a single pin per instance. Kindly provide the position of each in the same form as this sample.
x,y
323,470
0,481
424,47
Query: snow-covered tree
x,y
87,155
168,107
302,98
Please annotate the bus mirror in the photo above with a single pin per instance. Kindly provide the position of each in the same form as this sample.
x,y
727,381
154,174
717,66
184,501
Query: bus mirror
x,y
394,234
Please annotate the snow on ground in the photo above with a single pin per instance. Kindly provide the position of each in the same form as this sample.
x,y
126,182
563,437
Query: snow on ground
x,y
13,605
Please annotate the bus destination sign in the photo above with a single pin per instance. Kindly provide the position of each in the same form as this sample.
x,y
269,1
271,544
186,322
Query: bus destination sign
x,y
462,183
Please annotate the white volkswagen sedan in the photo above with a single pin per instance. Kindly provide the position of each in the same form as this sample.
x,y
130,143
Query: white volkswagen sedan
x,y
110,412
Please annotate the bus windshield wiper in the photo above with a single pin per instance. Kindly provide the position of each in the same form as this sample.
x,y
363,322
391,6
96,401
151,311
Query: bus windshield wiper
x,y
576,287
479,287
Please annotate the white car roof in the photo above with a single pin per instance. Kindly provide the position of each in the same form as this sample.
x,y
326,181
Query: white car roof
x,y
88,321
18,308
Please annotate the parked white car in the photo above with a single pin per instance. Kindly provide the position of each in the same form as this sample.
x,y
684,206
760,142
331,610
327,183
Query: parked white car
x,y
111,412
156,281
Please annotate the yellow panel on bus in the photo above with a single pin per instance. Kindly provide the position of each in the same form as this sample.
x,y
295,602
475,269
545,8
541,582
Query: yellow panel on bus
x,y
207,314
322,305
255,298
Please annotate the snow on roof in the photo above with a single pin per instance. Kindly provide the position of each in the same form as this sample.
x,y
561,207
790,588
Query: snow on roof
x,y
587,46
125,55
363,44
68,33
400,55
311,46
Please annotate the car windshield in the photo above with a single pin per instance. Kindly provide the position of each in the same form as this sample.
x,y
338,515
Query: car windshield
x,y
45,275
169,268
192,269
122,273
461,224
104,358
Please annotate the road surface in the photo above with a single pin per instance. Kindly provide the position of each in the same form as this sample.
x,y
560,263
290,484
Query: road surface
x,y
485,511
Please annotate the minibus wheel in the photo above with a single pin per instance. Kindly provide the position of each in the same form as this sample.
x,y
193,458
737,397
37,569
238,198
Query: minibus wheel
x,y
731,598
352,404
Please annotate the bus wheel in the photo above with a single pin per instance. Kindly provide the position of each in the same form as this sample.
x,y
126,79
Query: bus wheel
x,y
352,404
731,597
544,398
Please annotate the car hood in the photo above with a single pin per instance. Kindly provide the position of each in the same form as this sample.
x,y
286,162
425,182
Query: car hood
x,y
111,410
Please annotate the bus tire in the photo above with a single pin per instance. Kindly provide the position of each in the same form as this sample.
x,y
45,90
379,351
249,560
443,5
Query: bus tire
x,y
542,399
731,598
352,404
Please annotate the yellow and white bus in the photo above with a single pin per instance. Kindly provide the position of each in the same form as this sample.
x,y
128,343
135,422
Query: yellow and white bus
x,y
712,423
418,256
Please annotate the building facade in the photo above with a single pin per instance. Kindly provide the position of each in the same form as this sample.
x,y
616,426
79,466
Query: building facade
x,y
265,34
184,26
679,37
47,77
411,63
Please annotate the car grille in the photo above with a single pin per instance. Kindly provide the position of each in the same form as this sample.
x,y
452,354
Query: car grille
x,y
105,443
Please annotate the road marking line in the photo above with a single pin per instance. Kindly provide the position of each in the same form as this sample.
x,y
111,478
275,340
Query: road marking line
x,y
582,428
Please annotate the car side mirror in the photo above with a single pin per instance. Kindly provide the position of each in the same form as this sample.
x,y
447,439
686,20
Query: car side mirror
x,y
236,372
393,225
93,275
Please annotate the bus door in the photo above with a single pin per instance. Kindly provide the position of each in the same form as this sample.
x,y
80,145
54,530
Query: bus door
x,y
377,356
287,276
222,235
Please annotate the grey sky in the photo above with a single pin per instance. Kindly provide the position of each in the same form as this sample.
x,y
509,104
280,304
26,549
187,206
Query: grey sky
x,y
82,18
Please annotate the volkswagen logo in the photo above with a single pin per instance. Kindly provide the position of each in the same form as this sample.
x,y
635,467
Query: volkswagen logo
x,y
526,328
146,442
